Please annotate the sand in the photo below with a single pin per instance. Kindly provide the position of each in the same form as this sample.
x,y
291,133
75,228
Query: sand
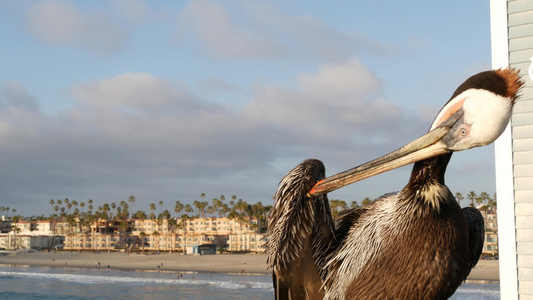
x,y
228,263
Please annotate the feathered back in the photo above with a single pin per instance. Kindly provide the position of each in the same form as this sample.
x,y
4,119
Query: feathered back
x,y
291,219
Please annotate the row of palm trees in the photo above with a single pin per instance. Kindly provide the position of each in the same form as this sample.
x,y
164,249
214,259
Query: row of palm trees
x,y
483,199
69,210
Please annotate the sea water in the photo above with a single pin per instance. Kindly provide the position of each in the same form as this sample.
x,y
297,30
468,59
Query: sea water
x,y
77,283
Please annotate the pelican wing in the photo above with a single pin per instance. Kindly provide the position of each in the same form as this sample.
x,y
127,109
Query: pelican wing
x,y
476,236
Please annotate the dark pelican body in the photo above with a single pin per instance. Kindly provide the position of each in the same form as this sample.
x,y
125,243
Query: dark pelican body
x,y
414,244
417,243
300,231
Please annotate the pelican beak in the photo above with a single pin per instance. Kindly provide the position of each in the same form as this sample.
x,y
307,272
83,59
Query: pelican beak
x,y
429,145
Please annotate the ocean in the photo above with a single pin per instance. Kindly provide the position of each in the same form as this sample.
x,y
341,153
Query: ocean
x,y
78,284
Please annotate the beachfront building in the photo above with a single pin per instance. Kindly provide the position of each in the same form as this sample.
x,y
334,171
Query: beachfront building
x,y
12,241
490,245
150,234
30,235
5,226
247,242
512,45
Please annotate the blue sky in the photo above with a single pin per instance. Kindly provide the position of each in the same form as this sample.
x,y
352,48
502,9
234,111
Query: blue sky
x,y
167,100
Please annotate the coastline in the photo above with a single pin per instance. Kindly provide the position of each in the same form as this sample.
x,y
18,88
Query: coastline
x,y
485,270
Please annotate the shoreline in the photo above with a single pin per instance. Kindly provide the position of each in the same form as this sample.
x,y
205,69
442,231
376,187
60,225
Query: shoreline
x,y
486,271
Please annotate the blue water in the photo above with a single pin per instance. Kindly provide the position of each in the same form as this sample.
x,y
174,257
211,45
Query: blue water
x,y
75,283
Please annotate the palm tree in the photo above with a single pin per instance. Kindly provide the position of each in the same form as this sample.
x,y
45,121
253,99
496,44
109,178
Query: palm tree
x,y
485,197
201,208
366,201
178,207
122,233
131,200
459,197
15,230
51,203
184,223
196,204
172,223
156,234
139,215
114,207
74,204
142,234
216,205
152,208
471,196
160,206
188,208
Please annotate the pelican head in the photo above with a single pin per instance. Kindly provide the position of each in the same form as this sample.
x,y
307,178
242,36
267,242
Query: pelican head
x,y
476,115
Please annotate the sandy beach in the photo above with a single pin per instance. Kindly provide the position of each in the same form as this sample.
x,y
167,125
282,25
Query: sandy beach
x,y
228,263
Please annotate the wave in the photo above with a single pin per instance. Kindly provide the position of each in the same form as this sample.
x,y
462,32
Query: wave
x,y
92,279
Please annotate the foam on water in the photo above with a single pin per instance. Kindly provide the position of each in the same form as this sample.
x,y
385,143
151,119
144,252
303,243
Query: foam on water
x,y
92,279
83,284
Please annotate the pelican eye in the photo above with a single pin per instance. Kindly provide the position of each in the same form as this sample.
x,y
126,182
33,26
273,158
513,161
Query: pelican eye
x,y
464,132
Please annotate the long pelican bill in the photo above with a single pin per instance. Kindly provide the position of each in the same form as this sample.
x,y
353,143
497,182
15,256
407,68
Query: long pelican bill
x,y
429,145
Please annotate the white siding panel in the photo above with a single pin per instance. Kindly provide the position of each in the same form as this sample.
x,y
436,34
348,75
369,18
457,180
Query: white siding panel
x,y
527,91
523,119
520,18
525,248
520,56
525,235
523,170
525,287
523,43
523,132
523,222
523,106
525,275
524,196
523,68
523,183
525,157
518,6
520,31
523,145
524,209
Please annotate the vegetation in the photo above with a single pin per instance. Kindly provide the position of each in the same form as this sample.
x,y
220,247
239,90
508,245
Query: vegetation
x,y
70,210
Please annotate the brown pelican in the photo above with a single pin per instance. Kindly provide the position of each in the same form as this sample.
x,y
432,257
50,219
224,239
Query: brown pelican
x,y
417,243
300,230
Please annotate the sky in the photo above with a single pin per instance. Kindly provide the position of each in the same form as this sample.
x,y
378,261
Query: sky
x,y
166,100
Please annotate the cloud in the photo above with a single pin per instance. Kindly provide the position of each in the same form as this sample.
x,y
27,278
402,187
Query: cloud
x,y
139,134
15,96
59,22
244,29
134,11
340,103
136,92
